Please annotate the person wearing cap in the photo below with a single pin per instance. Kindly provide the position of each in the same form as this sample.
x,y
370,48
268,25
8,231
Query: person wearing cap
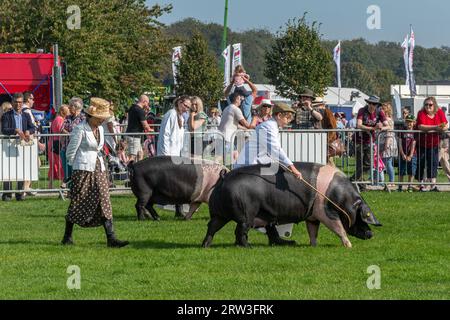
x,y
90,204
264,112
307,115
369,119
407,163
264,144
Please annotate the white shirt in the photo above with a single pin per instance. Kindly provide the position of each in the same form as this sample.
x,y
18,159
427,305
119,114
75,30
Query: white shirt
x,y
263,146
26,108
110,139
170,140
229,122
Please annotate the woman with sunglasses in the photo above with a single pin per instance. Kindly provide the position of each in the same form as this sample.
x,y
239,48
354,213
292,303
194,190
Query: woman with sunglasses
x,y
429,119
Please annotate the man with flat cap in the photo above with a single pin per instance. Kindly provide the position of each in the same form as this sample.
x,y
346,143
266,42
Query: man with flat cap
x,y
264,145
307,116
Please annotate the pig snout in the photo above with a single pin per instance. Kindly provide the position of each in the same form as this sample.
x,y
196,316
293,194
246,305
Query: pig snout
x,y
368,234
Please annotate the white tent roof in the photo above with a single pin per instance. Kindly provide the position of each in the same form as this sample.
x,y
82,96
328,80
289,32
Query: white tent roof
x,y
333,94
331,97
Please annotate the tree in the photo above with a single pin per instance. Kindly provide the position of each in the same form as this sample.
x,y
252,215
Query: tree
x,y
355,75
384,78
298,60
115,53
198,72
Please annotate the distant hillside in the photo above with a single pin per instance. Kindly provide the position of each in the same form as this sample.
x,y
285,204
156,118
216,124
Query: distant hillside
x,y
369,67
254,43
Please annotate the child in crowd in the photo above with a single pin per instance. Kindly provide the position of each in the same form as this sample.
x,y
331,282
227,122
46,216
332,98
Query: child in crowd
x,y
239,76
122,152
408,158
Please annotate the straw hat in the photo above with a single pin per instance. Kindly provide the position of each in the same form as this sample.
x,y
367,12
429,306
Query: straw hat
x,y
99,108
319,101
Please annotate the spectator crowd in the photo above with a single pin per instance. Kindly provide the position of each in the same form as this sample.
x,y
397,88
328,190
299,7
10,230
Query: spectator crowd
x,y
377,148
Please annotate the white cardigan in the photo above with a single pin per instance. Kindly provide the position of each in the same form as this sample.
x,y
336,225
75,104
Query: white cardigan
x,y
170,140
83,149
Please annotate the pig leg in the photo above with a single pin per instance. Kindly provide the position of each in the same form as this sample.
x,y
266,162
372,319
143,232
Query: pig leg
x,y
313,230
214,225
241,233
192,208
178,213
274,237
153,213
337,227
140,206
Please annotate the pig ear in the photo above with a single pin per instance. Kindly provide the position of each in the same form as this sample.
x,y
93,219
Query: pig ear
x,y
369,218
223,172
357,203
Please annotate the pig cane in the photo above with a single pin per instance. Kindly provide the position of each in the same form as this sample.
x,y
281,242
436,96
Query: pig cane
x,y
323,195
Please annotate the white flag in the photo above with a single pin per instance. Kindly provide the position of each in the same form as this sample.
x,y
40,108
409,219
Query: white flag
x,y
405,47
337,60
237,55
412,81
176,56
226,54
398,104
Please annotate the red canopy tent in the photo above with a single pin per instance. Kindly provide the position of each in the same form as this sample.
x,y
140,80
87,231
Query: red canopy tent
x,y
21,72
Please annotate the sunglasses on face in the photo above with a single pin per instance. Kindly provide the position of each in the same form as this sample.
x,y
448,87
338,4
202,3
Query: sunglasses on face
x,y
429,104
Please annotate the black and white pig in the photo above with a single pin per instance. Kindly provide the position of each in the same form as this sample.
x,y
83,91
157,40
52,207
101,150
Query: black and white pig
x,y
172,180
251,199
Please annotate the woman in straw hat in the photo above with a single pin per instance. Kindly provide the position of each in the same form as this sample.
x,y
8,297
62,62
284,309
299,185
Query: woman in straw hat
x,y
90,205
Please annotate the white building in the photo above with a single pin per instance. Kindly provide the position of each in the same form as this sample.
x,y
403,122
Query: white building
x,y
438,89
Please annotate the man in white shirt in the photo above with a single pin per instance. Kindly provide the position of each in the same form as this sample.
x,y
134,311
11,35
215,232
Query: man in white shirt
x,y
264,145
231,118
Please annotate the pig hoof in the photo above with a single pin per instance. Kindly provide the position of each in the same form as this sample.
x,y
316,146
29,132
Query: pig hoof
x,y
347,244
155,217
242,245
141,217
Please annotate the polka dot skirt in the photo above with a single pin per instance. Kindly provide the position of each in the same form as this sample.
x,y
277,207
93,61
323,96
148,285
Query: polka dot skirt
x,y
90,204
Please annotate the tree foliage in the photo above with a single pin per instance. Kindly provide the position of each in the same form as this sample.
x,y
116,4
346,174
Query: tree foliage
x,y
298,60
255,43
115,54
198,72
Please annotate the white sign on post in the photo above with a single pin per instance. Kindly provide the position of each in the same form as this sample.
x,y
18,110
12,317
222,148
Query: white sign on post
x,y
17,162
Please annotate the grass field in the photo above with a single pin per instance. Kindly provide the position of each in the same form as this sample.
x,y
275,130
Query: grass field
x,y
165,261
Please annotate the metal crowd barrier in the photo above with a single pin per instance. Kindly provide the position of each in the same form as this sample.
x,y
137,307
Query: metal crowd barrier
x,y
46,170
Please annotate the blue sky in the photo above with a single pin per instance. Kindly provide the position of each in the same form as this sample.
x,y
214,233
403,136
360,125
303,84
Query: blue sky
x,y
341,19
